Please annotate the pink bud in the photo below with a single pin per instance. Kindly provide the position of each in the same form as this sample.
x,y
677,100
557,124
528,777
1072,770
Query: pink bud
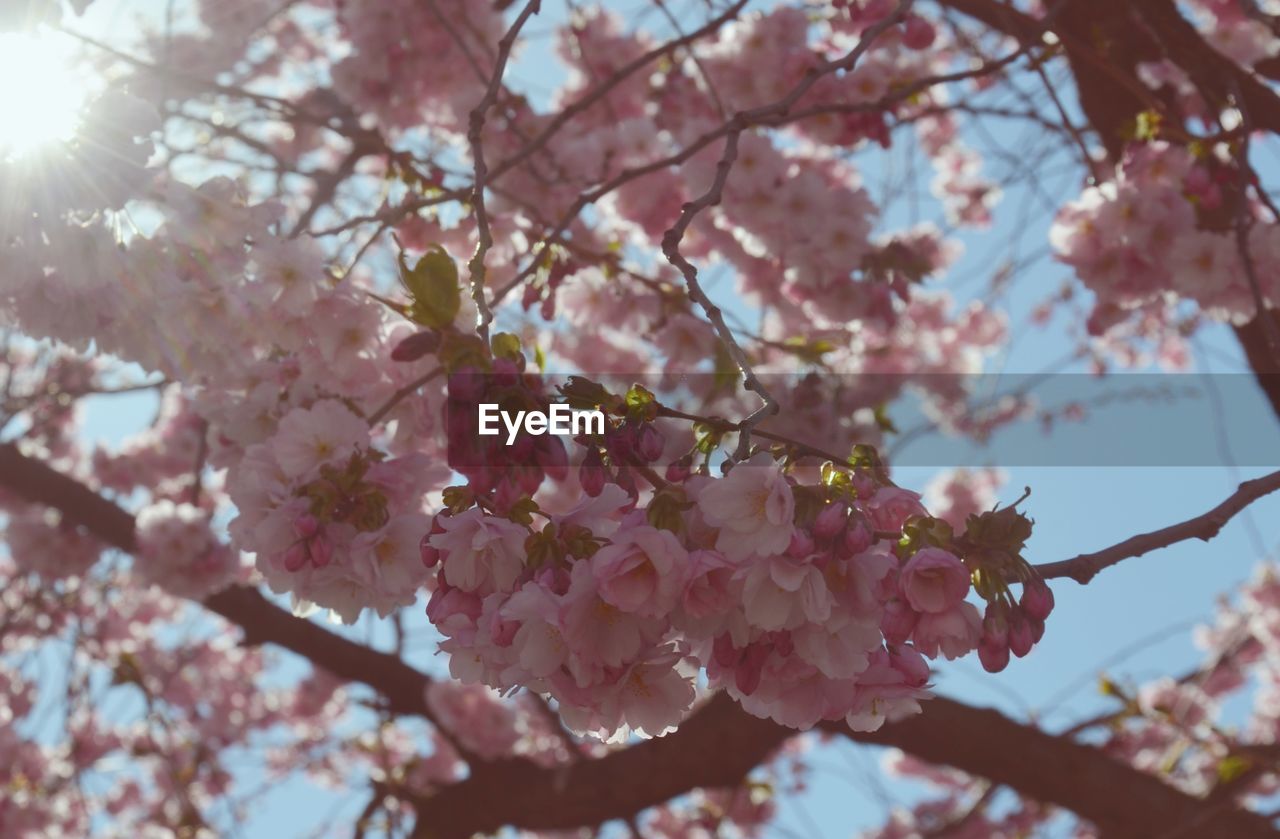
x,y
295,557
898,621
995,624
801,544
912,665
1021,639
591,474
750,670
506,372
782,644
918,33
521,451
747,678
723,652
1037,629
680,470
857,536
1037,599
993,655
416,346
321,550
466,385
622,443
305,525
504,632
550,454
830,521
650,443
430,555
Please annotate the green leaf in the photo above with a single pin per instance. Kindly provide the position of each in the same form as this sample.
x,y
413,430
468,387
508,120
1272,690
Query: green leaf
x,y
883,422
1232,767
458,351
433,285
584,394
639,397
458,498
505,345
667,508
522,510
807,349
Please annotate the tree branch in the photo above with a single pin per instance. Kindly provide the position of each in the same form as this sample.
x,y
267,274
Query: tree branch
x,y
260,619
1085,567
475,134
715,747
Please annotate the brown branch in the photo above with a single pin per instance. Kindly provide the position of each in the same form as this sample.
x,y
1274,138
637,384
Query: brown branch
x,y
1085,567
402,394
715,747
475,134
720,743
740,122
601,90
261,620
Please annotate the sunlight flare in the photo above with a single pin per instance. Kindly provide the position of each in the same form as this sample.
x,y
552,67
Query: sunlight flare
x,y
41,92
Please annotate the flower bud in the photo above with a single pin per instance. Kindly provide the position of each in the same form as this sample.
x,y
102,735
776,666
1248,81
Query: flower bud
x,y
1021,638
857,536
1037,599
680,470
801,544
504,632
321,550
995,623
918,33
993,655
550,454
591,475
305,526
898,621
830,521
416,346
295,557
723,652
466,385
506,372
650,443
430,555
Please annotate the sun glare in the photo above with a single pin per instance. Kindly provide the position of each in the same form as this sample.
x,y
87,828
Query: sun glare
x,y
41,93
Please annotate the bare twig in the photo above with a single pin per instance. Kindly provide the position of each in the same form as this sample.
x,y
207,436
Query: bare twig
x,y
401,394
1085,567
475,135
672,238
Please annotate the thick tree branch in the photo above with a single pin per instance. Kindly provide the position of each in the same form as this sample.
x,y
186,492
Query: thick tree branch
x,y
261,620
715,747
1085,567
720,743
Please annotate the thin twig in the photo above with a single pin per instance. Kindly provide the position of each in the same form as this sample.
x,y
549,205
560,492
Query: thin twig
x,y
672,238
404,392
1085,567
475,134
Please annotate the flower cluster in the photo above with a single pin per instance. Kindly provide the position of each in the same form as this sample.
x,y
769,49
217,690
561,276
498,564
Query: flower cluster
x,y
806,602
1141,239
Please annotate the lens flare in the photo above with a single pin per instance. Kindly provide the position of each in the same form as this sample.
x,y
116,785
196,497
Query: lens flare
x,y
41,93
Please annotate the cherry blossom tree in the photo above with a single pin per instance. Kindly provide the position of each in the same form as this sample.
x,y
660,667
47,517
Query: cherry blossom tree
x,y
322,233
